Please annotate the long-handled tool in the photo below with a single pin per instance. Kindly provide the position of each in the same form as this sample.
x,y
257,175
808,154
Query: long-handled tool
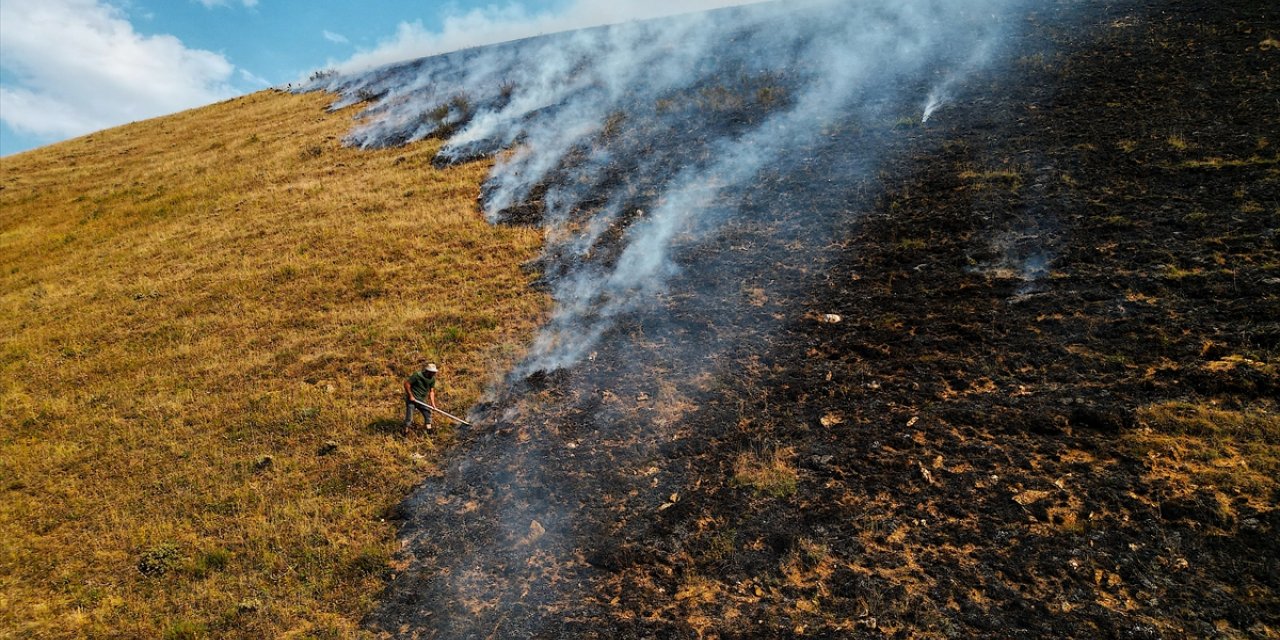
x,y
442,412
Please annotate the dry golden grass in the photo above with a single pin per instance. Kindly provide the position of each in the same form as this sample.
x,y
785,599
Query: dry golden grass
x,y
184,297
1194,445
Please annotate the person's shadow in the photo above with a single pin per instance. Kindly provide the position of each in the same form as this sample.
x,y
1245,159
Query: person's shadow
x,y
386,425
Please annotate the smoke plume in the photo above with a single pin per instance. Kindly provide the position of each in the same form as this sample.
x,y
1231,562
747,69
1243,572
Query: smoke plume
x,y
503,23
683,170
552,98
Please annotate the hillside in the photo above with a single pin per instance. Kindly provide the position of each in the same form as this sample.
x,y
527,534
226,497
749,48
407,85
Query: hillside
x,y
889,319
204,321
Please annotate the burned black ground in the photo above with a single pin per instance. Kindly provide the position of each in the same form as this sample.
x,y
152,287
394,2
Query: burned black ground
x,y
1087,235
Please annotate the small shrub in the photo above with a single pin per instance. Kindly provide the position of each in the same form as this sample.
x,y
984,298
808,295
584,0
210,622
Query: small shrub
x,y
370,561
186,630
367,283
158,560
613,125
211,562
770,95
722,546
438,115
249,605
453,335
322,74
461,104
1174,272
906,122
263,463
770,472
1118,222
369,95
284,274
721,98
990,176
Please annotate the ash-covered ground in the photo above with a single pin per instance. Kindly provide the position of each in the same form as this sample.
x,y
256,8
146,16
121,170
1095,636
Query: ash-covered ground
x,y
1083,233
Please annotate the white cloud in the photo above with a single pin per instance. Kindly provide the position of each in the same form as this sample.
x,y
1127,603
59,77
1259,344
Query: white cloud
x,y
254,79
336,38
209,4
513,21
79,66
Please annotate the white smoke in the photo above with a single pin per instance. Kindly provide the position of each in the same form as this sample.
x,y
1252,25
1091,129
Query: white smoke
x,y
937,98
941,94
548,99
503,23
646,146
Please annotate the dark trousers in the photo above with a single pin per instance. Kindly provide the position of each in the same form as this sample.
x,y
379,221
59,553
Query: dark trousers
x,y
410,407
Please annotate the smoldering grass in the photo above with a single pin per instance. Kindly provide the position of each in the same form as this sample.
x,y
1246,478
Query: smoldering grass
x,y
507,89
461,106
613,125
825,68
370,95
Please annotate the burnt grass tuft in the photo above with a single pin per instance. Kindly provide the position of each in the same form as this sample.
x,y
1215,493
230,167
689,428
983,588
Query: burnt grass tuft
x,y
1047,410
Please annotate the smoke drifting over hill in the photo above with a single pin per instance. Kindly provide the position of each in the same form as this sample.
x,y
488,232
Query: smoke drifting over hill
x,y
748,84
675,166
502,23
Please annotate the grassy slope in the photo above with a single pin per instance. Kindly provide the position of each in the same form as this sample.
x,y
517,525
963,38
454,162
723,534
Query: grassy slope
x,y
182,297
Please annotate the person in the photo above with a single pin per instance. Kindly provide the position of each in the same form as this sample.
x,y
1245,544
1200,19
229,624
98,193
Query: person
x,y
419,390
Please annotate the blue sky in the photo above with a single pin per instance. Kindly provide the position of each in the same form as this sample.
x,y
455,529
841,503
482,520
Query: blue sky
x,y
279,40
70,67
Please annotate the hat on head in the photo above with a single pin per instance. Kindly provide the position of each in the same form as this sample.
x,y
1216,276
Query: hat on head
x,y
432,368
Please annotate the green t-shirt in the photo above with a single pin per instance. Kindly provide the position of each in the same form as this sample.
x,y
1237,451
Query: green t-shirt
x,y
421,385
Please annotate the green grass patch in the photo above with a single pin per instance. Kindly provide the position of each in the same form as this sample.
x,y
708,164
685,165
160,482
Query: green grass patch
x,y
770,471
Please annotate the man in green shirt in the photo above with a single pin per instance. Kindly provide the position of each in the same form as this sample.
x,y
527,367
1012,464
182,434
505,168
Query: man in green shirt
x,y
419,393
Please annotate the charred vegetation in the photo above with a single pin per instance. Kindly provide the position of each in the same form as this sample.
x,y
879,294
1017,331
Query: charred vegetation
x,y
1012,376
